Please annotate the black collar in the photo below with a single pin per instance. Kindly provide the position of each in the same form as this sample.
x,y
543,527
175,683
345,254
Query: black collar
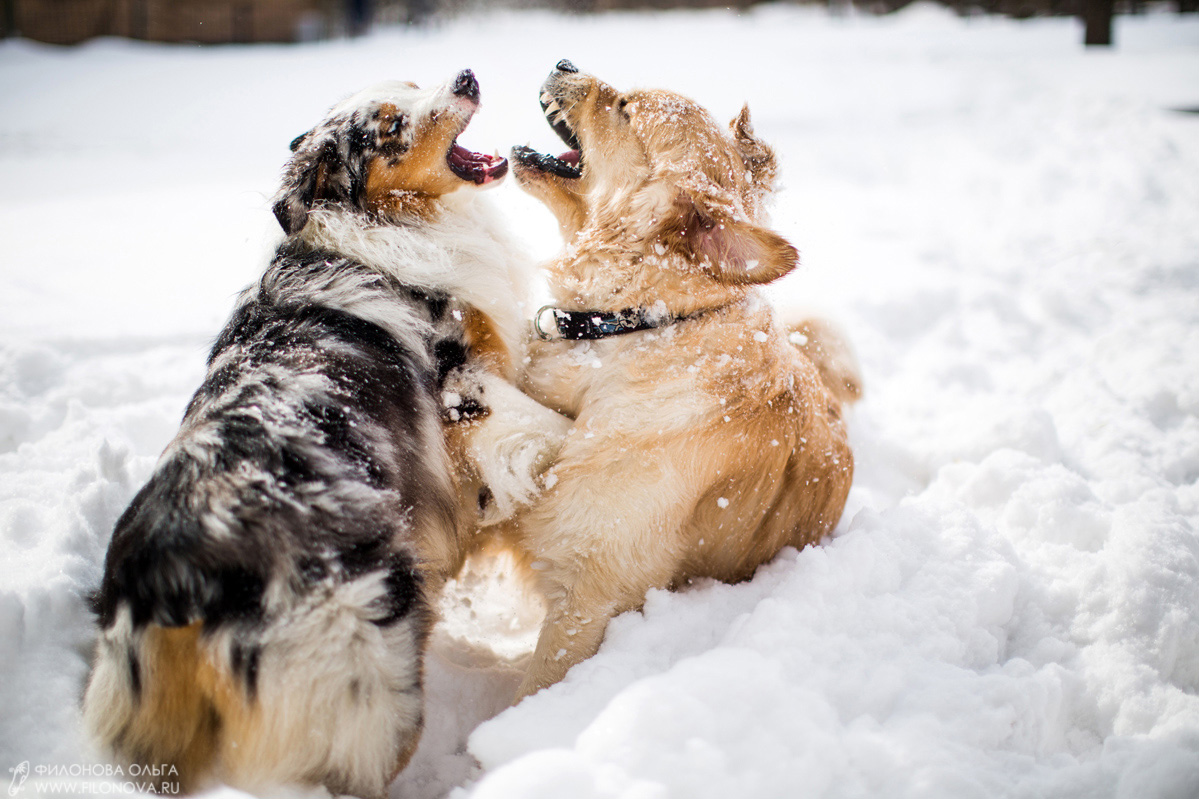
x,y
552,323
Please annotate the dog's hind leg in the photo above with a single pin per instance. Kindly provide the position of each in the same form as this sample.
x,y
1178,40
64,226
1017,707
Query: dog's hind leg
x,y
602,538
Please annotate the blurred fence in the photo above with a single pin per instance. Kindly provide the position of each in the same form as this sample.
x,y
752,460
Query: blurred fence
x,y
204,21
231,21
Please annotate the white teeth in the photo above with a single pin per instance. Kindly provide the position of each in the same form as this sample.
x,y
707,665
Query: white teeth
x,y
552,108
546,97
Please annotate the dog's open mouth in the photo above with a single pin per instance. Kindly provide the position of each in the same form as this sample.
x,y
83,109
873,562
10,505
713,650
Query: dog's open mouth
x,y
569,165
475,167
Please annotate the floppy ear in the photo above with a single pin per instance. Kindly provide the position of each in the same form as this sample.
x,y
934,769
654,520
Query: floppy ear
x,y
304,180
734,250
758,155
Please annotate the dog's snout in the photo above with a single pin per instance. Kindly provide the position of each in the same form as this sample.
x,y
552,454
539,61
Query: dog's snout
x,y
566,66
466,85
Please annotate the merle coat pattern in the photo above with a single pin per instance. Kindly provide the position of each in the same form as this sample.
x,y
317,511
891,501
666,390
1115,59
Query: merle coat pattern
x,y
267,595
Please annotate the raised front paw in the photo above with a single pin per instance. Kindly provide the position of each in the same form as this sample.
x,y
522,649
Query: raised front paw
x,y
513,451
512,444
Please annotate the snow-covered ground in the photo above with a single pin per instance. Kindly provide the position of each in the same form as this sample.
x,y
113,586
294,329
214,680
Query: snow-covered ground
x,y
1007,226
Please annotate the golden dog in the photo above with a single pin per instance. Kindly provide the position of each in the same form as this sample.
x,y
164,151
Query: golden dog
x,y
704,441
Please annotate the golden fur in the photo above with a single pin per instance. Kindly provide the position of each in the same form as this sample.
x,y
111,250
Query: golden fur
x,y
700,448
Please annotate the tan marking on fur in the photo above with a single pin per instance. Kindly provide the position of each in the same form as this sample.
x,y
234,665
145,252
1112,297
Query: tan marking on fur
x,y
442,545
412,182
389,202
701,449
486,343
387,112
241,723
174,721
318,185
405,756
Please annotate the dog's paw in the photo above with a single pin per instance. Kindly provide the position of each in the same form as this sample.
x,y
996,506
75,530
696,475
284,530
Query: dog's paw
x,y
513,452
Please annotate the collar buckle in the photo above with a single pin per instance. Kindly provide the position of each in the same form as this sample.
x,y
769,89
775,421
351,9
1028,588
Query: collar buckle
x,y
542,333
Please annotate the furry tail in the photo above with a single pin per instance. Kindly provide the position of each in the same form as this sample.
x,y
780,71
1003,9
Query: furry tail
x,y
828,349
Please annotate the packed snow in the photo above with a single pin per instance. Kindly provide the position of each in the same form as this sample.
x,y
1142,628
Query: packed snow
x,y
1005,224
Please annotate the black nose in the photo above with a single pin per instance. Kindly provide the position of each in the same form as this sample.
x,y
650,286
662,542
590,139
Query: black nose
x,y
566,66
466,85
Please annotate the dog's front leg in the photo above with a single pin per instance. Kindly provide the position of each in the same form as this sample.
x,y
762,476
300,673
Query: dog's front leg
x,y
511,441
573,631
578,614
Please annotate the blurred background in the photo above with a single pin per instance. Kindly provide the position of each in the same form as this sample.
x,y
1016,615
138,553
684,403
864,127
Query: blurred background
x,y
242,21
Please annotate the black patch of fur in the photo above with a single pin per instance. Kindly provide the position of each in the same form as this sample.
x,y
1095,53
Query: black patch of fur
x,y
243,662
160,563
358,140
403,588
450,355
453,355
312,569
317,171
438,305
135,674
362,557
330,165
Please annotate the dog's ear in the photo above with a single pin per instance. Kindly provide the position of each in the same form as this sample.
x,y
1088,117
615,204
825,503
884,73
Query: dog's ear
x,y
304,179
733,249
758,155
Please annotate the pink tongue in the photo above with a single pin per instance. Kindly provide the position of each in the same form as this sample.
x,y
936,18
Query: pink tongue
x,y
570,157
466,156
486,167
